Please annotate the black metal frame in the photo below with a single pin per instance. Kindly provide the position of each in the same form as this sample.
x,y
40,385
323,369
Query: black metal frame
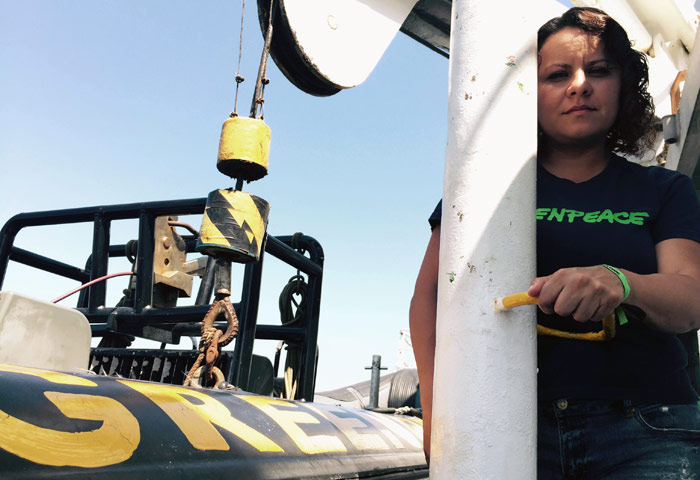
x,y
135,318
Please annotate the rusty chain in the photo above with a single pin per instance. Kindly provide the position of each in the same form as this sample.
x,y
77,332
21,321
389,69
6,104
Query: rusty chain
x,y
213,340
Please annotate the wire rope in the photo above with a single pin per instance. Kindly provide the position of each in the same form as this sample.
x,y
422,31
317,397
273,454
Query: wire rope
x,y
261,80
239,77
91,282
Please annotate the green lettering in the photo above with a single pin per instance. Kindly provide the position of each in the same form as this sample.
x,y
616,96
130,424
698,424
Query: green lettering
x,y
541,212
574,214
619,218
637,218
606,215
591,217
559,215
623,218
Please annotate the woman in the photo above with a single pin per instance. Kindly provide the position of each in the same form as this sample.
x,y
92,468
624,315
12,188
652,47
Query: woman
x,y
623,408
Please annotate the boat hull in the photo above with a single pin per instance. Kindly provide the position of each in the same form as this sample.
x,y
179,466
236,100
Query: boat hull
x,y
57,425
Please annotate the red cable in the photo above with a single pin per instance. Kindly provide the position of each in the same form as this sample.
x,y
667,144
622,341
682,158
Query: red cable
x,y
91,282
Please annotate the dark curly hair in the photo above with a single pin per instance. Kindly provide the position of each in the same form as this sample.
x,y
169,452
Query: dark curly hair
x,y
632,132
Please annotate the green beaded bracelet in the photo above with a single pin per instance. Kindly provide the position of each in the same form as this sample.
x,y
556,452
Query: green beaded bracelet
x,y
623,280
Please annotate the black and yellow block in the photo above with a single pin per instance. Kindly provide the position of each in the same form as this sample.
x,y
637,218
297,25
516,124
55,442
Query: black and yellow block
x,y
244,148
233,226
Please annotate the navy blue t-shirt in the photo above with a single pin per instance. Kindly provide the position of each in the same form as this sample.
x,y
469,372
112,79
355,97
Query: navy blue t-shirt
x,y
616,217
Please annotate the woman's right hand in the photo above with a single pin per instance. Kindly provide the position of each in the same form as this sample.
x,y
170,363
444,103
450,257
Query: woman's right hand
x,y
585,293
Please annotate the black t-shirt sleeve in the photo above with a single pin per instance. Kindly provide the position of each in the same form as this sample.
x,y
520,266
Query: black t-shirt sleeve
x,y
436,216
679,213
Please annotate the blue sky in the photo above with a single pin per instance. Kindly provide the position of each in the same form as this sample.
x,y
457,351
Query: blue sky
x,y
122,101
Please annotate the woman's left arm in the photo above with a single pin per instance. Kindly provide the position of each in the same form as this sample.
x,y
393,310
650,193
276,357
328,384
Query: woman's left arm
x,y
670,298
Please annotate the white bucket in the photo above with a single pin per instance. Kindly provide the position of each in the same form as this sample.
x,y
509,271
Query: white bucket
x,y
34,333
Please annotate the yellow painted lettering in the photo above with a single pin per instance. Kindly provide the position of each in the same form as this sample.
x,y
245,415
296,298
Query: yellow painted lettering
x,y
113,442
289,419
196,421
412,434
415,421
53,377
348,424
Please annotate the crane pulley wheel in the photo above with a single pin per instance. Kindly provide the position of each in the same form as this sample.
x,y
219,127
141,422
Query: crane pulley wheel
x,y
285,52
324,46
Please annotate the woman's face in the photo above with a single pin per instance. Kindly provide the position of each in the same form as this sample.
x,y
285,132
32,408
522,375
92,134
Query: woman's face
x,y
578,88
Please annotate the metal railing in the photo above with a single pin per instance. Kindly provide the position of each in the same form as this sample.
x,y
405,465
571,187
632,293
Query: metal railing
x,y
139,318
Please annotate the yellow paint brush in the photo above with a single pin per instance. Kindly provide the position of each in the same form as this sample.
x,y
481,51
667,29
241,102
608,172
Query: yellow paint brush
x,y
514,300
522,298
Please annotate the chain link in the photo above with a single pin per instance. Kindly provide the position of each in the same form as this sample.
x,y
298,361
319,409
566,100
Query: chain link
x,y
212,341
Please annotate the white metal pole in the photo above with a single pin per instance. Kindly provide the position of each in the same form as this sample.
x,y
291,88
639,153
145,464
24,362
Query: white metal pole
x,y
484,408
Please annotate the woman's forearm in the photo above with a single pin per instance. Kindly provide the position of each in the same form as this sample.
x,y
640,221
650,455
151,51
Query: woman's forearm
x,y
671,301
670,298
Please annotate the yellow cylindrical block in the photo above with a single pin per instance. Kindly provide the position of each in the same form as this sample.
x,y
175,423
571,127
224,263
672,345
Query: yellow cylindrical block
x,y
233,226
244,148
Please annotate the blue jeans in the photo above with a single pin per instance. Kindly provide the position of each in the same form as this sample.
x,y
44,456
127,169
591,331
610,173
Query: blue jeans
x,y
618,440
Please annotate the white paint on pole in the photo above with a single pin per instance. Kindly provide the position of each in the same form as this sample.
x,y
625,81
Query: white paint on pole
x,y
484,407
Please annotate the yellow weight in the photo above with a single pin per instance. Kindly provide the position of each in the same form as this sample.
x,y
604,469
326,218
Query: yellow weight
x,y
233,226
244,148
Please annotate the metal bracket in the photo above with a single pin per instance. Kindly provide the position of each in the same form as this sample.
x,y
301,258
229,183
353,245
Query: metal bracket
x,y
169,278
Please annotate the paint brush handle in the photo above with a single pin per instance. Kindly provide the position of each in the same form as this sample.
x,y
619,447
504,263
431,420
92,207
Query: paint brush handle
x,y
522,298
514,300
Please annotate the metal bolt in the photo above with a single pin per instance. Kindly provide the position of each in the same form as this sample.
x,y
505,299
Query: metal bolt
x,y
167,242
562,404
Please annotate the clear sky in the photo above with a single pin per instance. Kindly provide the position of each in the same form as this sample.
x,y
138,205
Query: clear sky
x,y
122,101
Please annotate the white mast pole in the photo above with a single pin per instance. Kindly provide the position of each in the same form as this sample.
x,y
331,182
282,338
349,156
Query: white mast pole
x,y
484,417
